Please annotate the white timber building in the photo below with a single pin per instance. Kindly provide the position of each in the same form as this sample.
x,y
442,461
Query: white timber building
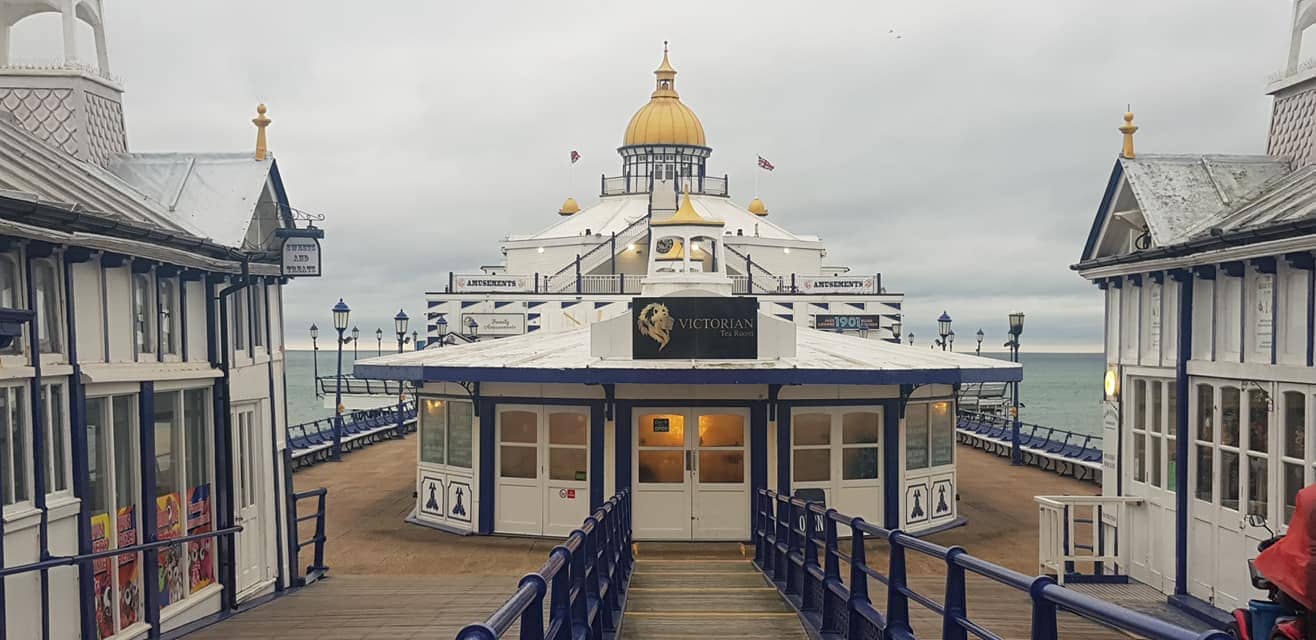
x,y
1206,265
142,366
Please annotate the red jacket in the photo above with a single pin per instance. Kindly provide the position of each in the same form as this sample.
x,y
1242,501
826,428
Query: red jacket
x,y
1291,563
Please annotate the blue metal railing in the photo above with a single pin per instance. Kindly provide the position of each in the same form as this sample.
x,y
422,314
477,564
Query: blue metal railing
x,y
317,568
790,535
1050,448
585,577
312,441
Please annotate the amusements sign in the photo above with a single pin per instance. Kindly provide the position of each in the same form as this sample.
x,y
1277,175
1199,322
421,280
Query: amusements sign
x,y
823,284
495,324
301,257
490,284
682,328
846,323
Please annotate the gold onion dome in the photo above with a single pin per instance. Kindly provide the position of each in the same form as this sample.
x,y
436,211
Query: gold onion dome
x,y
757,207
569,207
665,120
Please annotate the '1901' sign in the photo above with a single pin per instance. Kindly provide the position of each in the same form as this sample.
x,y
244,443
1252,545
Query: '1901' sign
x,y
694,328
301,257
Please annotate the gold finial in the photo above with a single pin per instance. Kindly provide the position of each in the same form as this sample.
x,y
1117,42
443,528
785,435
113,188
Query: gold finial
x,y
1128,129
569,206
261,122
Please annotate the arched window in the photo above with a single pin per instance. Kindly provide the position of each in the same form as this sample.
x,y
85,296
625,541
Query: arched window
x,y
46,280
168,316
9,297
143,313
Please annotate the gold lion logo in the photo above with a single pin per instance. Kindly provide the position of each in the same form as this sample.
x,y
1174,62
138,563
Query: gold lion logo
x,y
656,323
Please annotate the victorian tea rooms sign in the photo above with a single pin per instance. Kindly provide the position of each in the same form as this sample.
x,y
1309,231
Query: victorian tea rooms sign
x,y
694,328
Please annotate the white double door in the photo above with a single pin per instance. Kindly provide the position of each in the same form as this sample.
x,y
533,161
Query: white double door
x,y
542,469
691,471
250,475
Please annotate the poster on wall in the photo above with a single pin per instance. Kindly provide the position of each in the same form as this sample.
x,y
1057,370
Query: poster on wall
x,y
130,595
1154,319
201,564
102,594
1265,311
169,525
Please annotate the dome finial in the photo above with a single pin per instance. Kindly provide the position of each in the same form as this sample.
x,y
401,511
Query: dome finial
x,y
757,207
569,207
1128,129
261,121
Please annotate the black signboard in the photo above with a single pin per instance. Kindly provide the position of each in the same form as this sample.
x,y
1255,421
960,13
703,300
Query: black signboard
x,y
694,328
859,322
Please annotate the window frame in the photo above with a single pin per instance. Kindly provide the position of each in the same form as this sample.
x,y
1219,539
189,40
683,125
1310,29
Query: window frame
x,y
143,315
16,353
111,445
181,472
65,430
17,394
51,313
169,318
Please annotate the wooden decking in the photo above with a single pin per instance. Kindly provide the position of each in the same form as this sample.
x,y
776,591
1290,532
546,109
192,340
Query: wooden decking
x,y
703,591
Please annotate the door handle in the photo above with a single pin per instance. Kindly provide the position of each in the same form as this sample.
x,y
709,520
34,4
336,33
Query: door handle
x,y
689,466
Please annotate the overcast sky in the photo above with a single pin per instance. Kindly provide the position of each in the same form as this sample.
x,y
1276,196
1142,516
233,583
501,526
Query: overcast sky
x,y
963,160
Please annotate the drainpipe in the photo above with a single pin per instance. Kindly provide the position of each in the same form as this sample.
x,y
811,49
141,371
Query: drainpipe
x,y
224,434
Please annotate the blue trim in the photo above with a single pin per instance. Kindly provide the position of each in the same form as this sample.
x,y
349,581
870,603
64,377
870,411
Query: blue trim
x,y
590,375
1201,610
146,506
783,447
892,474
1311,315
624,431
80,456
595,456
1183,429
1107,199
758,453
486,480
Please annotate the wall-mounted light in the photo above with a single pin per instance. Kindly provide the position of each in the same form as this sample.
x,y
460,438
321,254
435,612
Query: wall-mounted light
x,y
11,325
786,250
1112,384
630,247
541,249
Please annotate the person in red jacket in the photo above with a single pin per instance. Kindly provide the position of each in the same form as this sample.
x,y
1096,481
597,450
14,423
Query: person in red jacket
x,y
1290,563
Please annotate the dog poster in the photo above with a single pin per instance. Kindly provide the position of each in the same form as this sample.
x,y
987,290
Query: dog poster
x,y
169,525
200,562
102,593
130,595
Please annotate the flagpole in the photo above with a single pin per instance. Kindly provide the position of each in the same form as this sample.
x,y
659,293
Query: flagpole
x,y
756,177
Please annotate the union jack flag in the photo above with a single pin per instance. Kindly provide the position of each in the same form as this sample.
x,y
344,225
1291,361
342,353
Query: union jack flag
x,y
575,155
764,164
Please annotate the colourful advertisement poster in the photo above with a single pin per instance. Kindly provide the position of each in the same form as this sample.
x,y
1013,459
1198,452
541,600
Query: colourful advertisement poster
x,y
130,595
169,525
102,594
200,562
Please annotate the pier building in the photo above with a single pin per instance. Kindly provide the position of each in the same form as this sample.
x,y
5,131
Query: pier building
x,y
694,400
588,264
1206,265
141,358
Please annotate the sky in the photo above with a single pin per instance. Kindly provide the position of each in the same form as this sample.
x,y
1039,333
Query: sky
x,y
959,149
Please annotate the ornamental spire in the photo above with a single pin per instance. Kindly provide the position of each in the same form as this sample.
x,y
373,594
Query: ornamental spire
x,y
261,122
666,86
1128,129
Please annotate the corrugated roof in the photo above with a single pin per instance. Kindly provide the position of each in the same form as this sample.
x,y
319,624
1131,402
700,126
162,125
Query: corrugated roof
x,y
569,351
1181,194
615,213
216,193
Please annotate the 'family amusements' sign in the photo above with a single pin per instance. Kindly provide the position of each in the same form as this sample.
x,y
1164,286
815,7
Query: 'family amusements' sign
x,y
301,256
694,328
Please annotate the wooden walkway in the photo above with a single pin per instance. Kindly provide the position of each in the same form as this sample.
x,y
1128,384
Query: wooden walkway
x,y
703,591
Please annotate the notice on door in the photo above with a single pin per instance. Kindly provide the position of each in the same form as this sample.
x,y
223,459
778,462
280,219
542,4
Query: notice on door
x,y
661,425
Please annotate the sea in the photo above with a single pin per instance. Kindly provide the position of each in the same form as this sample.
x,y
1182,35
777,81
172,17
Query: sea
x,y
1059,389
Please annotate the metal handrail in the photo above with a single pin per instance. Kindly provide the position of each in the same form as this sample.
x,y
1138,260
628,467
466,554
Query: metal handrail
x,y
317,569
585,577
1095,439
63,561
789,533
642,221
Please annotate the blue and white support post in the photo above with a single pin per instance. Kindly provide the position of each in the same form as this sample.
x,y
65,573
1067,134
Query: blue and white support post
x,y
400,326
1016,330
341,312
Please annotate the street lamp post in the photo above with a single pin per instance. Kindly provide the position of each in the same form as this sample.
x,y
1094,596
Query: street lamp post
x,y
895,329
341,313
442,326
1016,330
911,338
943,330
415,339
472,328
400,327
356,333
315,358
379,342
978,351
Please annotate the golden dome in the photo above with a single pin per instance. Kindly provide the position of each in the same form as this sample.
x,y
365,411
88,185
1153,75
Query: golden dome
x,y
757,207
665,120
569,207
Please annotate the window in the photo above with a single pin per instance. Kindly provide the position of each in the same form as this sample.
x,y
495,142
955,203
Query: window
x,y
519,450
446,432
1205,484
46,279
1139,430
812,433
916,436
169,318
10,297
860,433
239,320
112,462
15,450
433,431
258,314
1171,426
54,404
143,313
568,438
1258,435
1230,414
182,491
1294,448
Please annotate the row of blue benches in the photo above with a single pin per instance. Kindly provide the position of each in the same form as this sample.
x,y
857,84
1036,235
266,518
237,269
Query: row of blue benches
x,y
313,441
1050,448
